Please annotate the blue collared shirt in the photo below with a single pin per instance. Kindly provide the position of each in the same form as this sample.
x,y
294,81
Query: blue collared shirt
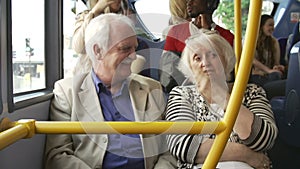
x,y
124,150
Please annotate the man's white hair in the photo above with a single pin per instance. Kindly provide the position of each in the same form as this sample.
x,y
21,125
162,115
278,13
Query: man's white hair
x,y
98,32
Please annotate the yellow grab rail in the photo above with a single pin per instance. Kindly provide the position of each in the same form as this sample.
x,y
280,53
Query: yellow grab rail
x,y
11,132
237,32
26,128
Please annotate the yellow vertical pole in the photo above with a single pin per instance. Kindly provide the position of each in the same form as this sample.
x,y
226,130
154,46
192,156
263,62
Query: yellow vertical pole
x,y
237,32
238,90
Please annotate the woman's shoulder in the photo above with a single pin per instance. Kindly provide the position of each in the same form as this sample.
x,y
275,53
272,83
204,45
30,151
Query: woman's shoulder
x,y
253,90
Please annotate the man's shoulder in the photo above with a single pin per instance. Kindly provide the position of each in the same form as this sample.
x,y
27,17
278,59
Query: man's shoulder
x,y
145,81
70,82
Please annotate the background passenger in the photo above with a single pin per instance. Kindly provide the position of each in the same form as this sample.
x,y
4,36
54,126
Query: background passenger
x,y
207,61
108,92
266,64
178,14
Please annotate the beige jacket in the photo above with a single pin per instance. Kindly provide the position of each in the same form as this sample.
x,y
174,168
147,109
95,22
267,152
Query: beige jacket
x,y
77,100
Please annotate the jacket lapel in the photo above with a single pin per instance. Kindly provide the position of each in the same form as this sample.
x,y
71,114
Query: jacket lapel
x,y
138,94
88,98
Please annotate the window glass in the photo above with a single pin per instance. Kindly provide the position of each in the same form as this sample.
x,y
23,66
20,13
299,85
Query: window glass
x,y
267,7
155,14
70,57
28,45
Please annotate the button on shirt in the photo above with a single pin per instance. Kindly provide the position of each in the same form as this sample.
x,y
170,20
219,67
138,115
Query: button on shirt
x,y
124,150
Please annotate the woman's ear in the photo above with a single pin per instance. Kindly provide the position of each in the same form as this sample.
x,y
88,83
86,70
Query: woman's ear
x,y
97,52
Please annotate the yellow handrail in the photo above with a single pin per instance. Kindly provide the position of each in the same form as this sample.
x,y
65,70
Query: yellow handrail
x,y
11,132
237,32
26,128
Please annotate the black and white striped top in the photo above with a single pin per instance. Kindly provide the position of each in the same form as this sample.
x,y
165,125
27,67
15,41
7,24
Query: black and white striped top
x,y
187,104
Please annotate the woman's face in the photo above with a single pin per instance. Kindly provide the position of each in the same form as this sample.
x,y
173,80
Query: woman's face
x,y
206,63
268,27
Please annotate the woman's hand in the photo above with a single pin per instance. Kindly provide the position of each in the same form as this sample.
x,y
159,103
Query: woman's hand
x,y
259,160
279,67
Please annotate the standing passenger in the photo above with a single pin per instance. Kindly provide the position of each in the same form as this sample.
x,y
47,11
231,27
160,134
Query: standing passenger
x,y
108,92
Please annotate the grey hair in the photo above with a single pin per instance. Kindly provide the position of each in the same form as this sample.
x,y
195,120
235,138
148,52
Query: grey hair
x,y
98,31
209,39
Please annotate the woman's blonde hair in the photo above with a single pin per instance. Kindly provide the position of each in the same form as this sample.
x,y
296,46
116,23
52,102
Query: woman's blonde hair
x,y
178,11
207,39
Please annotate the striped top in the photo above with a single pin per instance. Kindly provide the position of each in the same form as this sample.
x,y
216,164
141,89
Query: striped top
x,y
187,104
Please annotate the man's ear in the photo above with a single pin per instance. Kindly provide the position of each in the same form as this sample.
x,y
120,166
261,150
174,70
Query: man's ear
x,y
97,52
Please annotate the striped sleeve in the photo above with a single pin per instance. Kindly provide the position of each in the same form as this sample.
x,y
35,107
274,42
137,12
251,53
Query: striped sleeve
x,y
184,147
264,130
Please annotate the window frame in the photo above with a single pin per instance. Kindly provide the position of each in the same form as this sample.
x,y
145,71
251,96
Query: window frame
x,y
53,56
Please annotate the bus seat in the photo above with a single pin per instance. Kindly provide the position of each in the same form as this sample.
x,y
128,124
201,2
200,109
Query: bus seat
x,y
292,40
286,151
287,109
282,44
152,55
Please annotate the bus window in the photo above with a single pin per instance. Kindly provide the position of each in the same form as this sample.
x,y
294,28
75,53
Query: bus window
x,y
158,9
280,11
28,49
267,7
70,57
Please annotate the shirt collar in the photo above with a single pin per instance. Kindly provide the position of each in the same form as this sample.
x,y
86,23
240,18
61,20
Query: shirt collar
x,y
96,81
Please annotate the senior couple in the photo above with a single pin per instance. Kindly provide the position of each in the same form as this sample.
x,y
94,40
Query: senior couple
x,y
110,92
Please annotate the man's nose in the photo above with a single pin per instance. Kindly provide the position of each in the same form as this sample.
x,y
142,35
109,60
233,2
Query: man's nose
x,y
132,55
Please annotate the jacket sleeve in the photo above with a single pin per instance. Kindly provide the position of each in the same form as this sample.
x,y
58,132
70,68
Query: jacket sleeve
x,y
59,147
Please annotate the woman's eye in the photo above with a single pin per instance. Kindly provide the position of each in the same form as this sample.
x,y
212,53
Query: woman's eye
x,y
197,58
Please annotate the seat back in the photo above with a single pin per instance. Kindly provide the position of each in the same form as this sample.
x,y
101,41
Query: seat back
x,y
282,44
292,40
289,120
152,54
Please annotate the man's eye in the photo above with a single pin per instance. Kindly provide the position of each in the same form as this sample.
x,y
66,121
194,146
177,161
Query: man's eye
x,y
125,49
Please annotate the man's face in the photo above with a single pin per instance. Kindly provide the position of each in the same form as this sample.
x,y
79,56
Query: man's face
x,y
114,66
196,7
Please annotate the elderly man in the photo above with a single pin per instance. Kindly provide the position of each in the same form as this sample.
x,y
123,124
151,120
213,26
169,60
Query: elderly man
x,y
109,92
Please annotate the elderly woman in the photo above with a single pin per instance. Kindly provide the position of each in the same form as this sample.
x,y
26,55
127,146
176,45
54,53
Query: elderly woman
x,y
207,61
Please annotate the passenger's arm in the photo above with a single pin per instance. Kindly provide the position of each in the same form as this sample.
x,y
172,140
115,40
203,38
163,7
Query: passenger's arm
x,y
81,23
234,152
263,130
182,146
277,66
59,151
82,20
276,52
263,67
